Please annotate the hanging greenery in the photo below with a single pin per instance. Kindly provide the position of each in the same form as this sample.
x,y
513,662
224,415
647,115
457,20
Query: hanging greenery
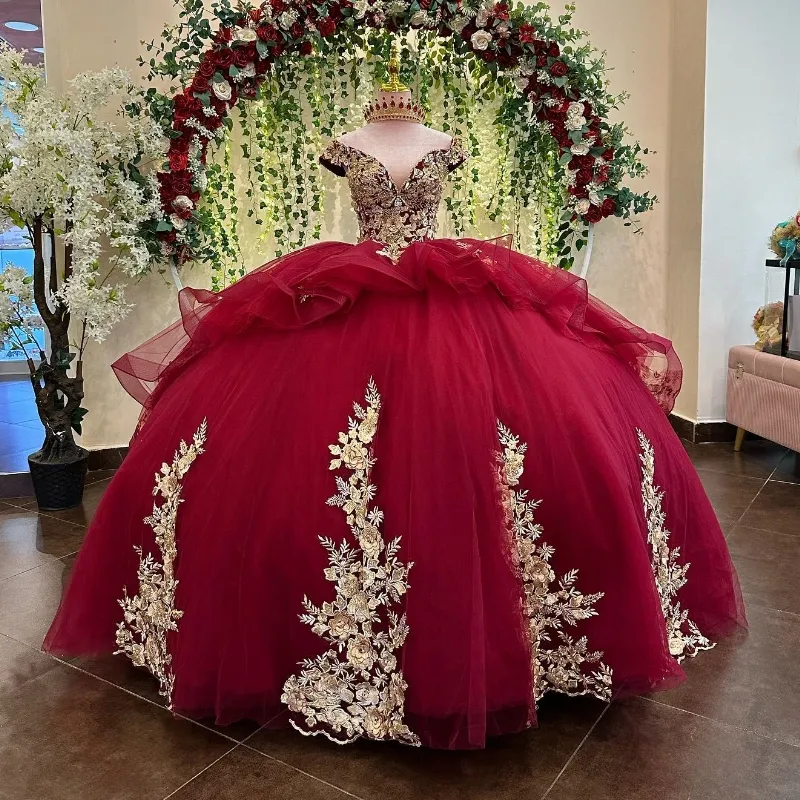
x,y
528,95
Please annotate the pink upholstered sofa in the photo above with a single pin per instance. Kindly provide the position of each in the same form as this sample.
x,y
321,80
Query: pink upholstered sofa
x,y
764,396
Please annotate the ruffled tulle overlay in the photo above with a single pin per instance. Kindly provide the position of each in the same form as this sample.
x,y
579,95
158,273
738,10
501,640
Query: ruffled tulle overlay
x,y
319,281
401,502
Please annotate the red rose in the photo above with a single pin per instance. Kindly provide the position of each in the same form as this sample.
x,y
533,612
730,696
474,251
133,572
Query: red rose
x,y
609,207
178,161
181,143
488,56
559,69
594,214
306,48
224,57
500,11
207,67
224,35
424,4
560,134
326,26
581,162
335,12
181,102
277,6
608,154
602,175
255,14
578,191
539,46
554,50
584,176
506,59
467,31
170,236
267,33
587,109
526,33
181,183
277,51
242,58
200,84
297,30
541,61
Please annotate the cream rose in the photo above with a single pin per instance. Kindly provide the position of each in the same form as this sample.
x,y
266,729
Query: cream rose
x,y
480,40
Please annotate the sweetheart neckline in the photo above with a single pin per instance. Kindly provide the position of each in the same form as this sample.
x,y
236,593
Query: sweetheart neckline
x,y
399,189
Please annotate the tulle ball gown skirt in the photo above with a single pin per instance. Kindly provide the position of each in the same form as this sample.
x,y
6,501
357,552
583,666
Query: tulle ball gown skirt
x,y
401,502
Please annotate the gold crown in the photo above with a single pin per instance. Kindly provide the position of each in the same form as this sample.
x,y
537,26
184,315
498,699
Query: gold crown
x,y
394,83
381,110
400,109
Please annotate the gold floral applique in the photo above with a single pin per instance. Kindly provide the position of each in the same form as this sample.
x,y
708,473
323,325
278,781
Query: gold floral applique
x,y
151,614
683,636
355,689
569,668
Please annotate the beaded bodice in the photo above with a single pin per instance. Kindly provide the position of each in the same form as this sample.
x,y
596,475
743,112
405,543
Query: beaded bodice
x,y
394,215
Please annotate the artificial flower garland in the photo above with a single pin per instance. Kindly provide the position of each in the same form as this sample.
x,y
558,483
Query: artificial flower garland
x,y
510,43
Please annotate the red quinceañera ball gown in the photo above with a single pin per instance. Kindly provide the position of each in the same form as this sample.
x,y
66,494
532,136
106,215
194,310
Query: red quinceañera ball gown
x,y
403,489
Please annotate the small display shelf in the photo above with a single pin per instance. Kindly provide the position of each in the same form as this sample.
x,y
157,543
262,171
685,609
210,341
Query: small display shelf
x,y
790,335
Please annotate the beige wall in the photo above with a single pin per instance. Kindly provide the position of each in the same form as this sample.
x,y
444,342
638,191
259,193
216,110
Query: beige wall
x,y
630,272
685,191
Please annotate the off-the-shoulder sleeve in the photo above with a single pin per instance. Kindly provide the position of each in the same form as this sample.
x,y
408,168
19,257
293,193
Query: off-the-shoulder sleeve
x,y
336,158
457,154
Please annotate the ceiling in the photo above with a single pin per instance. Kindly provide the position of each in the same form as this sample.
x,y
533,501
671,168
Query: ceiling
x,y
23,11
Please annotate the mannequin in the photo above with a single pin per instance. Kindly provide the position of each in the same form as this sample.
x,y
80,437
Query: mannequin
x,y
397,139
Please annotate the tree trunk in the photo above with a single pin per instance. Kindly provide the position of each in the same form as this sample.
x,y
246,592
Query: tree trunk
x,y
58,396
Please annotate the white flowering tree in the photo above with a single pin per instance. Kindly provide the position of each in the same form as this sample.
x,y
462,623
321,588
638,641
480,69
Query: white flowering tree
x,y
74,178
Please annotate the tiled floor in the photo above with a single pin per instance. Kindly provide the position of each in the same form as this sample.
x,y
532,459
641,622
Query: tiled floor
x,y
21,433
97,730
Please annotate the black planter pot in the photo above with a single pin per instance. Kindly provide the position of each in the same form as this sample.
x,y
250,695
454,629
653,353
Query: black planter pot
x,y
58,485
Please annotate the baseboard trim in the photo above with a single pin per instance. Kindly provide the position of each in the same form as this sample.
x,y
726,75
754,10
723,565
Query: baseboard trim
x,y
702,432
18,484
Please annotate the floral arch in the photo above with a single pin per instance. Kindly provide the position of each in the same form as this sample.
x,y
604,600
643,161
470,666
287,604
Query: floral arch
x,y
559,90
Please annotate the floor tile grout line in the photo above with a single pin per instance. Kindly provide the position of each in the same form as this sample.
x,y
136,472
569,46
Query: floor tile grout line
x,y
207,767
194,722
69,664
758,493
37,566
297,769
577,749
728,725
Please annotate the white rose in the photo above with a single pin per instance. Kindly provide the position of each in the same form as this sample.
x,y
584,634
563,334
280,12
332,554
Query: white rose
x,y
222,90
481,18
287,19
595,199
179,223
521,82
582,206
245,35
503,30
182,203
418,18
580,149
480,40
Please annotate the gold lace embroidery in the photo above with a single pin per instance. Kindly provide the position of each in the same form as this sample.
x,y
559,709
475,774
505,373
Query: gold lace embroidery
x,y
683,636
151,614
566,667
356,689
394,216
